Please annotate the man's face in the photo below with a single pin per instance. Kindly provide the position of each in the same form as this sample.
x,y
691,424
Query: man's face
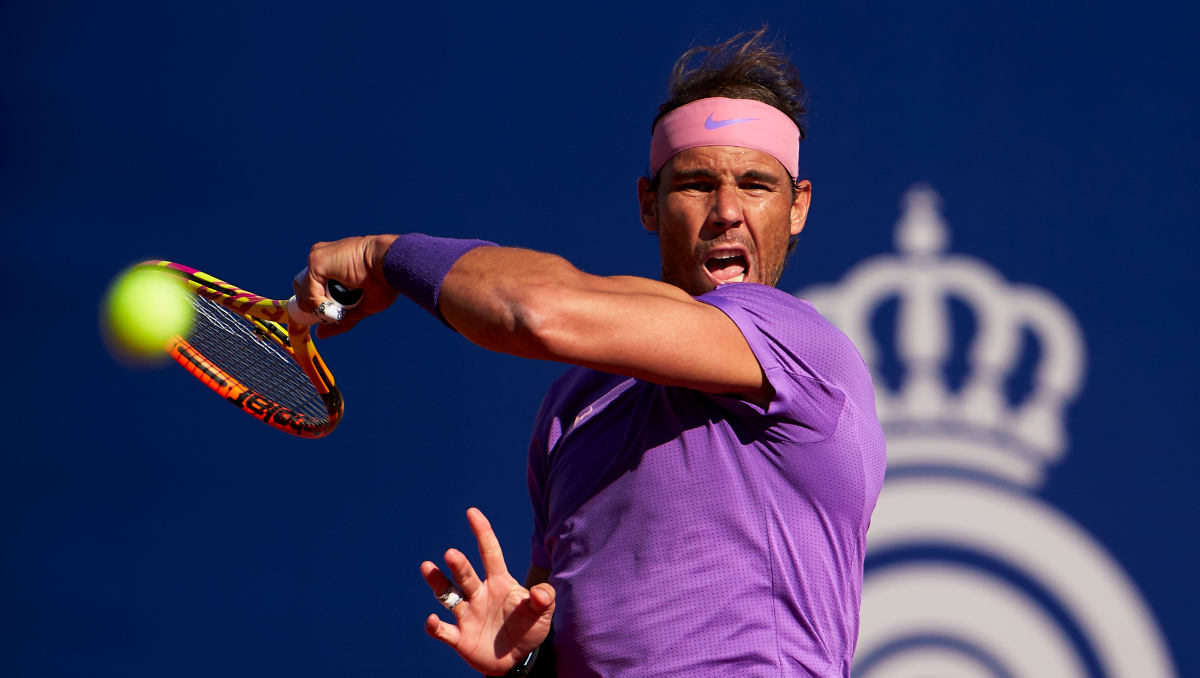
x,y
723,214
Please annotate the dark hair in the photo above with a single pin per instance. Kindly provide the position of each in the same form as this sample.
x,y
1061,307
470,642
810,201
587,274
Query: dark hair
x,y
746,66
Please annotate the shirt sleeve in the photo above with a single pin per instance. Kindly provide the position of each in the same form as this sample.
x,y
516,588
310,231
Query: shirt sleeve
x,y
799,352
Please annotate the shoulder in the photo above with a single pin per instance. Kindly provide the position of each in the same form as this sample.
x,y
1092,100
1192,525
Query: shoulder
x,y
773,310
813,366
756,295
802,338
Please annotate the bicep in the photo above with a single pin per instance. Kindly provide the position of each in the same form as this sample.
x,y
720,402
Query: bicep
x,y
540,306
662,338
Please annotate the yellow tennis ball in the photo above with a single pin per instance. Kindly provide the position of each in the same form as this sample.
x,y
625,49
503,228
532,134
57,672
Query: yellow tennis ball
x,y
143,309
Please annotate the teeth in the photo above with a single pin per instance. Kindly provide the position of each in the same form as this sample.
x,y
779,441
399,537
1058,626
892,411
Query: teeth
x,y
719,260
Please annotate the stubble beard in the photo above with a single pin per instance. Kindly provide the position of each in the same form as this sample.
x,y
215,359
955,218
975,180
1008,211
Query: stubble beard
x,y
691,276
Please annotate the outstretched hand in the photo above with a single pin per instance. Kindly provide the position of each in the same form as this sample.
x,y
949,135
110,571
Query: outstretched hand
x,y
355,262
499,621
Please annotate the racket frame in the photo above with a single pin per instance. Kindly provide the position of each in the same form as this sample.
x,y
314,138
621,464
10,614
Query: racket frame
x,y
271,322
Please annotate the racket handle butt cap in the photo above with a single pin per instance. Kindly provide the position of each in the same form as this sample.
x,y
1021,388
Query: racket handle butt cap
x,y
328,313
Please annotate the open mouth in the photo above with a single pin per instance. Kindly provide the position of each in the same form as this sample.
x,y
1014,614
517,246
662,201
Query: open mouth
x,y
726,267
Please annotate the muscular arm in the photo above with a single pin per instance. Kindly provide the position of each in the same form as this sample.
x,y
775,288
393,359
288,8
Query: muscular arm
x,y
538,305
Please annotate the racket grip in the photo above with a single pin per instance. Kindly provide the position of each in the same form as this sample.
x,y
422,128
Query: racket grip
x,y
298,316
329,312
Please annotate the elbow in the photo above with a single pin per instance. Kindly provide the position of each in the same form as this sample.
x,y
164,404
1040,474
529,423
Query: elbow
x,y
527,315
534,316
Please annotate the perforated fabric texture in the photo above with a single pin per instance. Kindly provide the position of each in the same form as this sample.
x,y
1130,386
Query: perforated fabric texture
x,y
697,535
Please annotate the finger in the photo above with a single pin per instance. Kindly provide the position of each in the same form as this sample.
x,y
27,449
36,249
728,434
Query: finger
x,y
489,546
464,575
528,625
441,586
300,289
447,633
541,598
309,284
437,581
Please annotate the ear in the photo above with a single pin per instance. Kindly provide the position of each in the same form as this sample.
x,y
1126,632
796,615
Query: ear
x,y
648,199
799,212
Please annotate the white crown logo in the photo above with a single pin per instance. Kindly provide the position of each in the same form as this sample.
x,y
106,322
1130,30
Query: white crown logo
x,y
974,427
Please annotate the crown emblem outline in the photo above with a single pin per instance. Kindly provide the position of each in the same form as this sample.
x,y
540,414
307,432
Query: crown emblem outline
x,y
974,428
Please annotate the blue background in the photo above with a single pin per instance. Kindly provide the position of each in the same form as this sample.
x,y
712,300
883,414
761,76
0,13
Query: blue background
x,y
150,530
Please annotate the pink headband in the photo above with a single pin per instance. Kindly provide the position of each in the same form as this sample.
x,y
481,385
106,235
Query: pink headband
x,y
726,122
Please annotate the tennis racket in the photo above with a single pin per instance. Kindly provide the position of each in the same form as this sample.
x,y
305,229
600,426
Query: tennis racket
x,y
257,354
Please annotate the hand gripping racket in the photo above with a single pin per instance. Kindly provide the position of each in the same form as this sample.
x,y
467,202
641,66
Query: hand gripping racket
x,y
257,353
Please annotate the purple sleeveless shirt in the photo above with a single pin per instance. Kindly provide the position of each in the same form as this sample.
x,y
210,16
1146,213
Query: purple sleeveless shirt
x,y
697,535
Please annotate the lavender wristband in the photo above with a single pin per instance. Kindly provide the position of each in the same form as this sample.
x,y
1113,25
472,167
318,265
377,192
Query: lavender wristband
x,y
416,264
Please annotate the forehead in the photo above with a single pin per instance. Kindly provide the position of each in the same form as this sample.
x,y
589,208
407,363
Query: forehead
x,y
721,159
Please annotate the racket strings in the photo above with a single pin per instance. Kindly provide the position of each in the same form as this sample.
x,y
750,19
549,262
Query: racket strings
x,y
232,343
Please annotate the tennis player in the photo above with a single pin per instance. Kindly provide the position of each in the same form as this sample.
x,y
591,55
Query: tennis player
x,y
703,480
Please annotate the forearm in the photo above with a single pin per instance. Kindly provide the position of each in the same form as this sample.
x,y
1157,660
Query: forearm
x,y
515,301
512,300
536,305
491,296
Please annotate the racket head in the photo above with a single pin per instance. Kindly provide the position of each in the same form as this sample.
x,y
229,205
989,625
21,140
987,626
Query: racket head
x,y
240,348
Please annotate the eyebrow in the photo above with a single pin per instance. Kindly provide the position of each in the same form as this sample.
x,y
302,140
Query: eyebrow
x,y
687,175
762,177
752,175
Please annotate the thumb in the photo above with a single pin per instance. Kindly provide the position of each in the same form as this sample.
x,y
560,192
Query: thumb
x,y
541,598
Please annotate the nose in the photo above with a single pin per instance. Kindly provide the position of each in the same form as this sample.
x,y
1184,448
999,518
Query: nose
x,y
726,211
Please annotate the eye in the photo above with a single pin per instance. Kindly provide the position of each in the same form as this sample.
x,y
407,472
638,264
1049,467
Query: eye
x,y
696,186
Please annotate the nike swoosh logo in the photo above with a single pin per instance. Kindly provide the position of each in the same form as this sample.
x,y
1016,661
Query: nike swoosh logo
x,y
709,123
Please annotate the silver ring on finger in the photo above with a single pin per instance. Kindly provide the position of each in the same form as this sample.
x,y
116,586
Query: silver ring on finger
x,y
449,599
